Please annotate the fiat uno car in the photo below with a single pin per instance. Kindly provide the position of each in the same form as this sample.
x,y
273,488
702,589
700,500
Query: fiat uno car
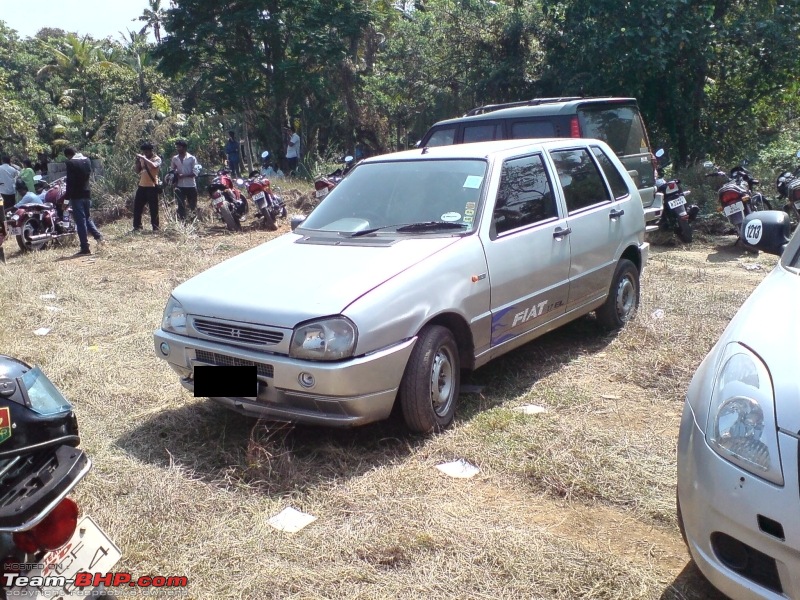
x,y
417,265
738,478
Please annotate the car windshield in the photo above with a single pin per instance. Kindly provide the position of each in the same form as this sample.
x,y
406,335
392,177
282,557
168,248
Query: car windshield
x,y
45,398
386,196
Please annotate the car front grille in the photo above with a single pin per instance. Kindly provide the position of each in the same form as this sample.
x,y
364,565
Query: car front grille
x,y
231,361
237,333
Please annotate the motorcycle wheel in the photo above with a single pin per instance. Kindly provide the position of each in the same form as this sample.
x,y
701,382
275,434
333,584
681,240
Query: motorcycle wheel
x,y
761,203
684,231
268,220
231,223
283,212
31,227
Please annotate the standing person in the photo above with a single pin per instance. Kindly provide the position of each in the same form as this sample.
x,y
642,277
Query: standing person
x,y
26,174
147,166
79,170
292,148
183,164
8,176
232,152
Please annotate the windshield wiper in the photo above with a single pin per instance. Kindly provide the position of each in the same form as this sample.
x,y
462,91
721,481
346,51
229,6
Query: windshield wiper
x,y
422,226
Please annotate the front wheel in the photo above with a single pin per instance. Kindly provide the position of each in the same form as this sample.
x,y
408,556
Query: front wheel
x,y
759,202
269,220
623,297
231,223
430,385
684,231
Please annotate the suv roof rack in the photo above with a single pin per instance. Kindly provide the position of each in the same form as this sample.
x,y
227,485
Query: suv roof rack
x,y
533,102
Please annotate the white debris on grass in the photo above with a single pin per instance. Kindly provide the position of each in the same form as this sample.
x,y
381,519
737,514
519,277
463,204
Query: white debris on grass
x,y
42,331
658,313
460,469
48,296
291,520
530,409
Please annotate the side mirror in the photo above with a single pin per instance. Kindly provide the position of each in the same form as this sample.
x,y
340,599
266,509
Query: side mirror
x,y
767,230
348,159
660,152
296,221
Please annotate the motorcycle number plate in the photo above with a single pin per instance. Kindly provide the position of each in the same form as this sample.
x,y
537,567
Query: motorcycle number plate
x,y
259,196
321,193
679,201
16,231
89,550
734,208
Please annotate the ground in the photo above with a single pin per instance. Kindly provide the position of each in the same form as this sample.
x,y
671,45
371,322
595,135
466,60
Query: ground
x,y
575,502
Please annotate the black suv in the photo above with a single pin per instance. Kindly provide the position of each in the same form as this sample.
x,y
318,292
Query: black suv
x,y
616,121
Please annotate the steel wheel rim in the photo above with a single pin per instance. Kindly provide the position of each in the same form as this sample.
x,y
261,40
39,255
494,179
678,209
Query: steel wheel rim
x,y
626,298
442,381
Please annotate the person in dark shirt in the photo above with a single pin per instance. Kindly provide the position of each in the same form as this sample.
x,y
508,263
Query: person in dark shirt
x,y
79,170
232,151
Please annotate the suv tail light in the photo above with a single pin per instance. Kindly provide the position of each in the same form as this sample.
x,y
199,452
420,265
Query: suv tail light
x,y
574,127
53,532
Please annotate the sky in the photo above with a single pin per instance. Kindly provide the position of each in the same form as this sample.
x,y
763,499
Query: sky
x,y
97,18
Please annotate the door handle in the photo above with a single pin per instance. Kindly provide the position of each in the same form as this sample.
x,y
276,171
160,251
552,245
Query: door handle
x,y
558,233
615,214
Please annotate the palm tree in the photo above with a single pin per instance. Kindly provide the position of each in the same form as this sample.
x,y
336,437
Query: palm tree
x,y
152,17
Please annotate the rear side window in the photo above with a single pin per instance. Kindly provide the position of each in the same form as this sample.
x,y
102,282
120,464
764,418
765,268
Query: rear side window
x,y
619,126
532,129
443,136
524,196
613,176
485,132
581,181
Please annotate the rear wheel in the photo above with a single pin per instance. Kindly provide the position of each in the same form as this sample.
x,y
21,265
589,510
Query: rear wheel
x,y
32,227
430,385
684,231
231,223
623,297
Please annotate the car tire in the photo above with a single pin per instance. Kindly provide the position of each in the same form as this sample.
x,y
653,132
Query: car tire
x,y
684,231
623,297
430,385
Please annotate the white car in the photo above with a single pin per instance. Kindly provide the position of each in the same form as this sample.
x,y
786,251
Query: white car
x,y
738,481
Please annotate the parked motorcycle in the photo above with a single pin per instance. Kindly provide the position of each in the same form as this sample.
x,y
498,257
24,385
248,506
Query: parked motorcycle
x,y
788,186
323,185
41,531
737,197
36,225
227,200
676,215
270,204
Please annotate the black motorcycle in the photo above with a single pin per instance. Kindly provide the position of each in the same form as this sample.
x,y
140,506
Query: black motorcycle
x,y
41,531
788,186
677,215
737,196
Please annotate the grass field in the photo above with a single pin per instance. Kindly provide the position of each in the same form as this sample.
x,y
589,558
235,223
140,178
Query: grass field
x,y
576,502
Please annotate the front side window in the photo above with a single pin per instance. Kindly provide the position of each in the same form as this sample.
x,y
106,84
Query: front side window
x,y
613,176
524,196
581,181
480,133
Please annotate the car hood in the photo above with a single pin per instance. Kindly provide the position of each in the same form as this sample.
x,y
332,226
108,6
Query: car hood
x,y
282,282
769,324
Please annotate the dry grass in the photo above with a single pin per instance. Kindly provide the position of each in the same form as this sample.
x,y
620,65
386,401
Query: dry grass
x,y
574,503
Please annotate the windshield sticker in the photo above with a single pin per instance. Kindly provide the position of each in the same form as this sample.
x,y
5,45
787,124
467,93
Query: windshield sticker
x,y
5,424
450,217
469,212
473,182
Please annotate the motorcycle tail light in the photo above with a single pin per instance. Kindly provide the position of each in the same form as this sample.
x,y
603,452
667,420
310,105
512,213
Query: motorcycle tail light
x,y
728,197
574,127
672,187
53,532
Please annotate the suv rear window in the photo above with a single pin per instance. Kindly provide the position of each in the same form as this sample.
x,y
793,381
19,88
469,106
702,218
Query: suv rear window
x,y
445,136
619,126
532,129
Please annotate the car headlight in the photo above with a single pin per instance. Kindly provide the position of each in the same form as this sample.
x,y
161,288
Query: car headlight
x,y
174,317
741,424
327,339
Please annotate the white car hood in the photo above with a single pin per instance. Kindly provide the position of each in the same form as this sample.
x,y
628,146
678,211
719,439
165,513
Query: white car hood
x,y
769,324
282,283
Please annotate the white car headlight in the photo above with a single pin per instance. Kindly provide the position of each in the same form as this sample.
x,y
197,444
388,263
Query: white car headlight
x,y
327,339
174,317
741,424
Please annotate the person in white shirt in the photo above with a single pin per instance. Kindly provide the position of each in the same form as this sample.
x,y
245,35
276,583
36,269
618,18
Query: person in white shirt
x,y
8,176
183,164
292,148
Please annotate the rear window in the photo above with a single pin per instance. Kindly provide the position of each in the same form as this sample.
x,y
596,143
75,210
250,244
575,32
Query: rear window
x,y
481,133
619,126
443,136
581,181
532,129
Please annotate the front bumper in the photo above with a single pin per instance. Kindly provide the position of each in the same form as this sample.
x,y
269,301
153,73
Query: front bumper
x,y
344,394
734,521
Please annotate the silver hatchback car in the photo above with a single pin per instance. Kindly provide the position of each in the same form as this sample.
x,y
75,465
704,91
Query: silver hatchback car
x,y
417,265
738,480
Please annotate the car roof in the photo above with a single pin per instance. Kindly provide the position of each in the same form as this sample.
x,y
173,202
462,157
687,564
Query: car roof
x,y
544,109
483,149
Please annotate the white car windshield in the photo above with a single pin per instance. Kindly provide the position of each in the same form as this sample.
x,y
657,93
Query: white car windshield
x,y
400,196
